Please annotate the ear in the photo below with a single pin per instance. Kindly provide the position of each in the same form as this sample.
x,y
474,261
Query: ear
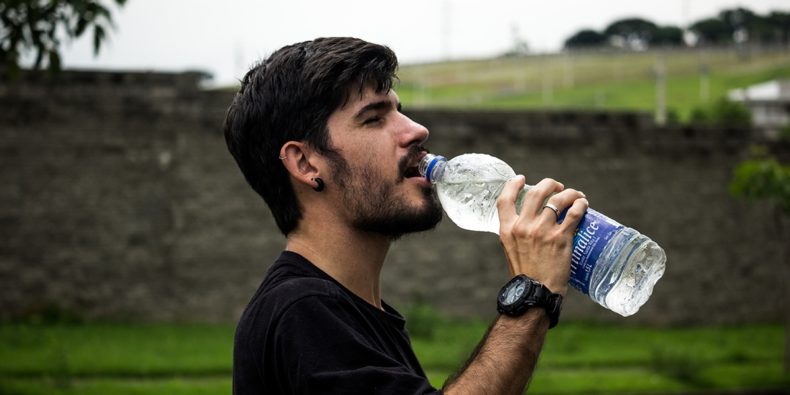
x,y
300,161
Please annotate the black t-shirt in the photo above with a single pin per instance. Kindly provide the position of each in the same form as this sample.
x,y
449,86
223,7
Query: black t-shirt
x,y
304,333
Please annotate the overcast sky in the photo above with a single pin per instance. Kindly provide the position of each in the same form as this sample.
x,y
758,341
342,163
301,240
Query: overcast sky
x,y
225,37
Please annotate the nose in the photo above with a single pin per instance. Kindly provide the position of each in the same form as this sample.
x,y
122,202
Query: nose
x,y
413,133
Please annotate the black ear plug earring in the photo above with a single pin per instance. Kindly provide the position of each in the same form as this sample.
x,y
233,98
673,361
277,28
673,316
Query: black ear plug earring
x,y
320,186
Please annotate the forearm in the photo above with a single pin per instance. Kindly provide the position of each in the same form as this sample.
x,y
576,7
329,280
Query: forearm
x,y
538,246
505,359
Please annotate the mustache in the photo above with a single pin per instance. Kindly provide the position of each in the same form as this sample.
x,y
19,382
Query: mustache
x,y
410,157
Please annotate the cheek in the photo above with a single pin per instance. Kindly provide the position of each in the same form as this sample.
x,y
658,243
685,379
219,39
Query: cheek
x,y
378,165
373,182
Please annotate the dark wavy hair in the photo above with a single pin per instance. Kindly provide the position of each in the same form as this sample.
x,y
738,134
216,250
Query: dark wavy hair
x,y
289,96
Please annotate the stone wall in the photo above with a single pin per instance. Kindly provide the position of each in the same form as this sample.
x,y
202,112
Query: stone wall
x,y
119,201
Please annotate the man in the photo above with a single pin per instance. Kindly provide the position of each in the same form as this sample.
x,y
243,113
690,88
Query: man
x,y
317,131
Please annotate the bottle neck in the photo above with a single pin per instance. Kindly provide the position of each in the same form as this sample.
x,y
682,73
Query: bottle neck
x,y
432,167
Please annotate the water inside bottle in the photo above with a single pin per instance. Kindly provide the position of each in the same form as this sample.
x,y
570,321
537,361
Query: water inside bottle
x,y
469,205
472,205
637,263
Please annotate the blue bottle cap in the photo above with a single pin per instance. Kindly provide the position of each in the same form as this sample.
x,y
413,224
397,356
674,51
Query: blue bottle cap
x,y
434,161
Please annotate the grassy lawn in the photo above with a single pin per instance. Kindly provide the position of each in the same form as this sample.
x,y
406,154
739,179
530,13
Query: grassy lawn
x,y
101,358
583,359
136,350
589,80
116,386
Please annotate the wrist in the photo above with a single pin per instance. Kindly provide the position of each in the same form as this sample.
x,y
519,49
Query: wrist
x,y
558,288
522,294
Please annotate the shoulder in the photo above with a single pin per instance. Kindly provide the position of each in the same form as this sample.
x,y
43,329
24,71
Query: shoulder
x,y
295,293
285,306
291,279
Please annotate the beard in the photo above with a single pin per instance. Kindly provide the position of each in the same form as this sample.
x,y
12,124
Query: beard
x,y
375,207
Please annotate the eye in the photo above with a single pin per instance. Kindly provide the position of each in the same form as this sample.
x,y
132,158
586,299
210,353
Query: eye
x,y
373,120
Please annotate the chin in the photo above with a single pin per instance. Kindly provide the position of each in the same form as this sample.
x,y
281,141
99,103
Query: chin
x,y
405,221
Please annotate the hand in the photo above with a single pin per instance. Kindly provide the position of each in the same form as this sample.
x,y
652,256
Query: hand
x,y
534,243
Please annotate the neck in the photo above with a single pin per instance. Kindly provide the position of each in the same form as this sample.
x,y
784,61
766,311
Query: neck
x,y
351,257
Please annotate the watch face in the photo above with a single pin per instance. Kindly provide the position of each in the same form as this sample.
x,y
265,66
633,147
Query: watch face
x,y
514,291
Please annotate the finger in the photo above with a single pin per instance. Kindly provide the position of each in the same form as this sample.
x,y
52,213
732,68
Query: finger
x,y
506,202
538,194
561,202
574,215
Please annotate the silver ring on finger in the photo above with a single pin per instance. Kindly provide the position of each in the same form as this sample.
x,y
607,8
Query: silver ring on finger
x,y
552,208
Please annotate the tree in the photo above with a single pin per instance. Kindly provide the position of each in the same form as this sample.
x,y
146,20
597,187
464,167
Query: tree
x,y
35,26
777,28
712,31
585,39
668,36
738,18
746,25
740,25
773,28
633,33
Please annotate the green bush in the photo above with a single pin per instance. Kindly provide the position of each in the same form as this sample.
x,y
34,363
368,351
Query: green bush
x,y
762,177
699,115
722,112
728,112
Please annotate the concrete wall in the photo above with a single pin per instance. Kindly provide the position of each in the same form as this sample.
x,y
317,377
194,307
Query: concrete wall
x,y
119,200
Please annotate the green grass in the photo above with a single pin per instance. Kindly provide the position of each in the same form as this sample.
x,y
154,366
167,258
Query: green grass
x,y
579,358
589,80
102,358
116,386
115,349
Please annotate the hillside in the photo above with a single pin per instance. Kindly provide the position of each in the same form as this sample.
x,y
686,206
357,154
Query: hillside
x,y
611,80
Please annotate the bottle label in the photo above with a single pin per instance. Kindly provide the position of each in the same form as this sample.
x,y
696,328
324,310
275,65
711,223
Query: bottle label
x,y
592,235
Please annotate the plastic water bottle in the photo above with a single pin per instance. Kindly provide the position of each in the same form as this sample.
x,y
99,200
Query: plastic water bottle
x,y
613,264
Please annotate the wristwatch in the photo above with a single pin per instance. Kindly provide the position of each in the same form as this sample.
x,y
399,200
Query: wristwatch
x,y
523,293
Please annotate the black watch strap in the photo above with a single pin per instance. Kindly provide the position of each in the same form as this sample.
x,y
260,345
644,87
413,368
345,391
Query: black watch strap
x,y
552,303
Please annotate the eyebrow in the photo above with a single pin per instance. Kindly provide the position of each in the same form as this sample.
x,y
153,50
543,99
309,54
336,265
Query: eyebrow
x,y
376,106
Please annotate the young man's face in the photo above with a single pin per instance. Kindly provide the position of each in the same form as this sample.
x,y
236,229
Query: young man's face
x,y
381,190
